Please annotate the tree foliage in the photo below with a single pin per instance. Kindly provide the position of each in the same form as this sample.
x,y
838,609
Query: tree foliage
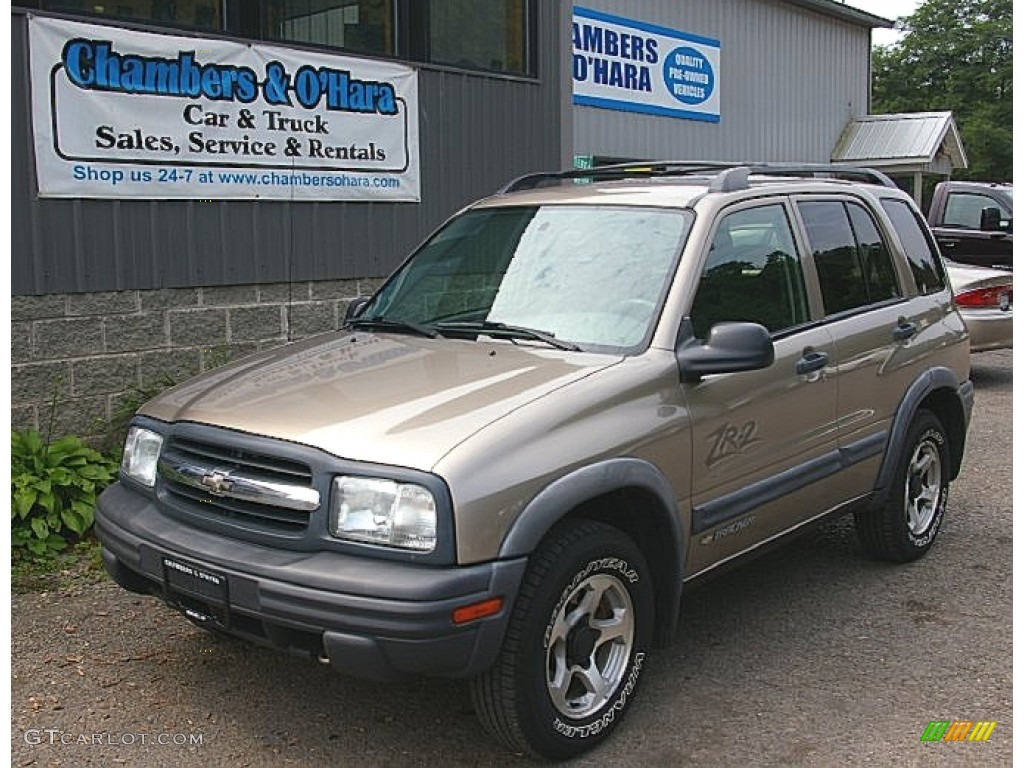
x,y
956,55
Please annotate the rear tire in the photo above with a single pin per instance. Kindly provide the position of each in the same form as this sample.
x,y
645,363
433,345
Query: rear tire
x,y
905,526
575,646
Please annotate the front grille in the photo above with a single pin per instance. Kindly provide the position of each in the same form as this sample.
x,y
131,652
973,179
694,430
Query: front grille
x,y
226,483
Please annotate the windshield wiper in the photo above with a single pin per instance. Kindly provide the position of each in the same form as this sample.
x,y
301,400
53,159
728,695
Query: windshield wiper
x,y
504,331
386,324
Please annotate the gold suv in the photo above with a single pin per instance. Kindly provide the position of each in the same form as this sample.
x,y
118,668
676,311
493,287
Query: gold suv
x,y
576,396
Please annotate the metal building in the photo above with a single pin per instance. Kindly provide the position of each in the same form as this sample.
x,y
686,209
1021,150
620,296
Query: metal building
x,y
116,286
791,75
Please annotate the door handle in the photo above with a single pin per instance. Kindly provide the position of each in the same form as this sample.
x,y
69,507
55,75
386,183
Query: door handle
x,y
948,243
904,330
811,361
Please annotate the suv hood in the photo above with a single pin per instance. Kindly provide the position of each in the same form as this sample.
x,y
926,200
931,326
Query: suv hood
x,y
388,399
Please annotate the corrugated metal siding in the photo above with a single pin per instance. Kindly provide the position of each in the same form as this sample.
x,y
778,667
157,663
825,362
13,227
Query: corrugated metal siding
x,y
476,132
791,80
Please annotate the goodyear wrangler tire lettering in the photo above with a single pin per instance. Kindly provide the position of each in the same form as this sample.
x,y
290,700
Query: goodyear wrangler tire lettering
x,y
904,527
609,717
576,644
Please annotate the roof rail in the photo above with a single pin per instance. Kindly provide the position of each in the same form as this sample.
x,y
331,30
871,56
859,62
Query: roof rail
x,y
729,177
632,170
823,170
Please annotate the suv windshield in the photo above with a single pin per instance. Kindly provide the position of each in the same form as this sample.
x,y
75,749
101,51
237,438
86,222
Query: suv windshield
x,y
587,276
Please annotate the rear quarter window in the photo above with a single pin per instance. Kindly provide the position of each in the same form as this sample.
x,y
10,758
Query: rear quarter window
x,y
917,245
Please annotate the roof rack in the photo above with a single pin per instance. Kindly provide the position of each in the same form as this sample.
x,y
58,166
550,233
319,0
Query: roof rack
x,y
825,171
729,176
631,170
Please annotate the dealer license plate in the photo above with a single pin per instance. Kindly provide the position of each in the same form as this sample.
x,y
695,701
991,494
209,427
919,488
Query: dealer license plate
x,y
198,592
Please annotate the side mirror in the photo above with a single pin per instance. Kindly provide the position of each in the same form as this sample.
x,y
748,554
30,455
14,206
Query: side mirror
x,y
355,308
991,220
730,348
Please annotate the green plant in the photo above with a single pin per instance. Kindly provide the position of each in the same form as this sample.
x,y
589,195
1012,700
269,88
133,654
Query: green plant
x,y
53,491
116,428
215,357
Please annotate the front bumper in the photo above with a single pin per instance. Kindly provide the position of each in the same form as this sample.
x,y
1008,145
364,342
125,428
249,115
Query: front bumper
x,y
375,619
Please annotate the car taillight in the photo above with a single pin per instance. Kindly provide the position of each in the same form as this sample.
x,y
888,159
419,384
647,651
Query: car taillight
x,y
997,296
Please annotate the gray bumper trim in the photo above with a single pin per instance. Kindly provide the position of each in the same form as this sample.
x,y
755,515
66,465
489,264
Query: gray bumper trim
x,y
375,619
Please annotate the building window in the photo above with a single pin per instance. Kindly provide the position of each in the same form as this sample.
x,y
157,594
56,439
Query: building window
x,y
366,26
484,35
479,34
200,14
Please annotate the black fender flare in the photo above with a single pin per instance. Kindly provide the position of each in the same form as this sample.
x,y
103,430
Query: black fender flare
x,y
571,491
931,380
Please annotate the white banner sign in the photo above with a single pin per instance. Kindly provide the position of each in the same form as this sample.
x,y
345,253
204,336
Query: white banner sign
x,y
120,113
634,66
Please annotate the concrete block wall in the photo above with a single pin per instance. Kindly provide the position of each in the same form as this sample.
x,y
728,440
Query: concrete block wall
x,y
76,358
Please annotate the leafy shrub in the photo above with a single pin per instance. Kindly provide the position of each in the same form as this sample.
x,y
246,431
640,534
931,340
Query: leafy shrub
x,y
117,427
54,486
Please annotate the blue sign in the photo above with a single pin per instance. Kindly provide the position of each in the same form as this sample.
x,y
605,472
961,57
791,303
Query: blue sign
x,y
635,66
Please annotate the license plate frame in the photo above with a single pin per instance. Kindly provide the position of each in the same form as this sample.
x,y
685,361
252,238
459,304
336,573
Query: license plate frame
x,y
198,592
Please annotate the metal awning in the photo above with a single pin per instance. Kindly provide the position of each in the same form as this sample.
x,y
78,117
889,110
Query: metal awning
x,y
910,144
923,142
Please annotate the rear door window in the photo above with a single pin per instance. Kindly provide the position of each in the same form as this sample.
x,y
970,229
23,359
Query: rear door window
x,y
852,261
875,258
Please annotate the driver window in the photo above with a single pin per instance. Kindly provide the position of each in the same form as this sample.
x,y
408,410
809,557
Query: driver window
x,y
752,273
964,210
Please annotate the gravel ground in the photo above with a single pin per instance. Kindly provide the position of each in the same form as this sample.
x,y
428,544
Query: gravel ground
x,y
810,656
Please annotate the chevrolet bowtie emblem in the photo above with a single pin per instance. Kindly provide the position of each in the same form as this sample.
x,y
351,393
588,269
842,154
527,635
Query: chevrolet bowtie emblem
x,y
217,482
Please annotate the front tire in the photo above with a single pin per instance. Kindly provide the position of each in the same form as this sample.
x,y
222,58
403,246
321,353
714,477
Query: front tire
x,y
575,646
905,527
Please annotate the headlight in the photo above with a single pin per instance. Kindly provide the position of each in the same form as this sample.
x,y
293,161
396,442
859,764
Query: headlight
x,y
384,512
141,451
